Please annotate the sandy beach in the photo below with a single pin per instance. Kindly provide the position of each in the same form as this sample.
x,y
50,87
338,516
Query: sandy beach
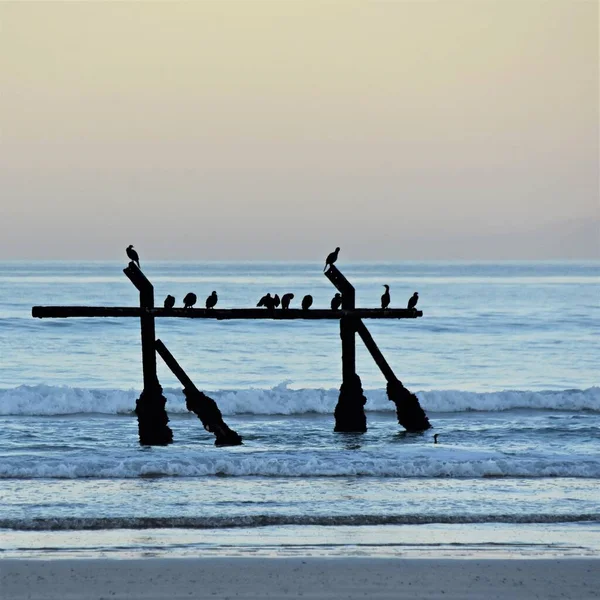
x,y
326,578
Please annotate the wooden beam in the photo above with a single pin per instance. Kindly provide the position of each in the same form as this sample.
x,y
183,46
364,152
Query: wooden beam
x,y
62,312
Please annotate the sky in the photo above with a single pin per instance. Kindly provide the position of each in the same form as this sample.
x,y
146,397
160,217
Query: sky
x,y
269,130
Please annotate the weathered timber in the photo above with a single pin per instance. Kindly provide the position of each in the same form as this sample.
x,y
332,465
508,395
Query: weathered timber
x,y
349,411
199,403
150,407
222,314
408,410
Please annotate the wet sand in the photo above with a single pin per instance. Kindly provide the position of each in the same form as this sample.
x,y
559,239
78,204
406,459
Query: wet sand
x,y
299,578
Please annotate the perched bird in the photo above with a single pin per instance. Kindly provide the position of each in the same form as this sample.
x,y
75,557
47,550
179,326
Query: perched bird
x,y
267,301
169,301
189,300
307,302
276,300
385,298
336,302
212,300
412,302
331,258
435,437
285,301
133,255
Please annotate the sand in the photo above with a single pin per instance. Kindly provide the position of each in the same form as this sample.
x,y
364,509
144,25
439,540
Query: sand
x,y
299,578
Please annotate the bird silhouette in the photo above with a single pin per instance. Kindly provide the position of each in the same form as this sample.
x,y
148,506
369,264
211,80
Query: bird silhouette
x,y
212,300
133,255
189,300
307,302
267,301
331,258
276,301
435,437
285,301
169,301
336,302
412,302
385,298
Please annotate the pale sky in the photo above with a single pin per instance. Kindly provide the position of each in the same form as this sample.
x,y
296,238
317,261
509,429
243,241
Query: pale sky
x,y
450,129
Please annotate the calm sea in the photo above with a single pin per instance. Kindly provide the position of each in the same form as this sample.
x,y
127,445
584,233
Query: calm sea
x,y
505,362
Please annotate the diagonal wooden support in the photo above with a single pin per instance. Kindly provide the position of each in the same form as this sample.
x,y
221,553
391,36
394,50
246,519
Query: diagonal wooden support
x,y
205,407
408,410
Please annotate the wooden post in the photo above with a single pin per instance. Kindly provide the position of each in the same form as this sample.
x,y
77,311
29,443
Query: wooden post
x,y
150,406
408,410
205,407
349,411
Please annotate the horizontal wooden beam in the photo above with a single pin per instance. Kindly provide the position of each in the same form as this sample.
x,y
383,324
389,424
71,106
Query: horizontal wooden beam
x,y
61,312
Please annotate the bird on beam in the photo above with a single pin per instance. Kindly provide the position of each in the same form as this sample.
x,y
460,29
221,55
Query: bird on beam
x,y
267,301
189,300
412,302
276,301
133,255
285,301
331,258
212,300
385,298
307,302
169,301
336,302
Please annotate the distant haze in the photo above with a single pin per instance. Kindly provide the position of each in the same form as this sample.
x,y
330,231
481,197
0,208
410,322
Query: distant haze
x,y
280,130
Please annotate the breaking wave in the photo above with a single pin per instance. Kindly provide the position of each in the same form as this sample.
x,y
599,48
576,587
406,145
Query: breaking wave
x,y
403,461
44,400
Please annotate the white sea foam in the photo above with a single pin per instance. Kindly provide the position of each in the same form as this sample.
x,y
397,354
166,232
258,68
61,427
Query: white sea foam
x,y
282,400
422,462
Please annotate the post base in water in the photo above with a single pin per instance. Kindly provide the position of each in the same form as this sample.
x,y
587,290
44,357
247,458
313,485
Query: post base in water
x,y
152,418
208,412
408,410
350,410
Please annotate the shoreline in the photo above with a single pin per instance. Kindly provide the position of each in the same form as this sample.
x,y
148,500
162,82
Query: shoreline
x,y
325,578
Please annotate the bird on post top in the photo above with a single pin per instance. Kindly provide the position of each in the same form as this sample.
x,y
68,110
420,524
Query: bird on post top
x,y
331,258
133,255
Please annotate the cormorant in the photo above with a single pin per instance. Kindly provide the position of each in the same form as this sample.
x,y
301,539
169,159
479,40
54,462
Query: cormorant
x,y
189,300
336,302
435,437
276,300
285,301
133,255
169,301
412,302
307,302
267,301
212,300
331,258
385,298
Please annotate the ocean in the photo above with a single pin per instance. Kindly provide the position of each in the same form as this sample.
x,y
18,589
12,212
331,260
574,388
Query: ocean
x,y
505,362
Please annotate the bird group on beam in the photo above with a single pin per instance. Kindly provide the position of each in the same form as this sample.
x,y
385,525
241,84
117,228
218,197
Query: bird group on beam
x,y
272,302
